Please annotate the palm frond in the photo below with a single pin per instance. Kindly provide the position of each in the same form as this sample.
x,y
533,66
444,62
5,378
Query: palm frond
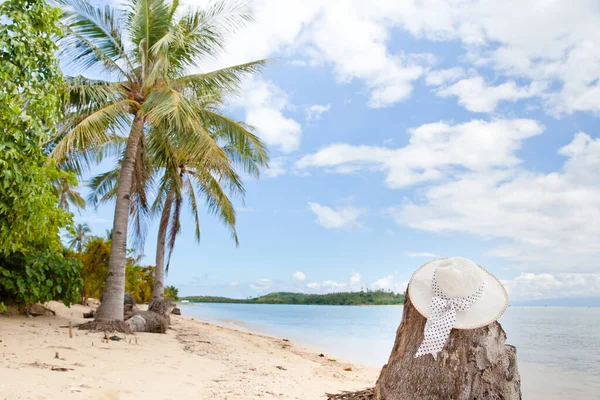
x,y
222,81
148,22
168,108
242,146
193,206
85,92
216,199
93,35
83,132
103,187
200,34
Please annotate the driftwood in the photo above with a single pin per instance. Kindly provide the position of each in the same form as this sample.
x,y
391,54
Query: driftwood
x,y
36,310
148,321
475,364
155,320
162,306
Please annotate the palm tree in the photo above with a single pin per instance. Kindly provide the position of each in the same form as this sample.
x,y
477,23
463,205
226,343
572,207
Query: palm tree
x,y
79,237
186,177
67,194
147,50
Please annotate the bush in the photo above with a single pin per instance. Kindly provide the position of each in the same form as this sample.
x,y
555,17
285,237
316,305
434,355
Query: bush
x,y
171,293
40,276
95,259
139,281
33,265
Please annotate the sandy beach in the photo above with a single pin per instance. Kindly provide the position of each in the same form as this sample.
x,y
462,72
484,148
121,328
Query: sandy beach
x,y
194,359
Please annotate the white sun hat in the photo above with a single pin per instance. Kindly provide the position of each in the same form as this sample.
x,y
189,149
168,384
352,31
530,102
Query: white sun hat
x,y
454,293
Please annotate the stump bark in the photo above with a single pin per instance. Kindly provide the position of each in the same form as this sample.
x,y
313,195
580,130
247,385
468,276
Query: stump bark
x,y
474,364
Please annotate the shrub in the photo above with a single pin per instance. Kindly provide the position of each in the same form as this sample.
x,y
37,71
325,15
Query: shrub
x,y
40,276
171,293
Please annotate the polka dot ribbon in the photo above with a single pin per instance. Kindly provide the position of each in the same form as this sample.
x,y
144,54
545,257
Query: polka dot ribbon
x,y
441,319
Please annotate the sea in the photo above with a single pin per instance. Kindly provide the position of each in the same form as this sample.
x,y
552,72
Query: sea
x,y
558,348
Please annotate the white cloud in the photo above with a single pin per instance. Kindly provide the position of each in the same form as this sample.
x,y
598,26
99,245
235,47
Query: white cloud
x,y
341,217
424,255
354,278
276,167
540,221
326,285
265,103
443,76
528,286
261,284
316,111
329,286
472,182
390,282
434,151
384,283
299,276
544,42
477,96
352,40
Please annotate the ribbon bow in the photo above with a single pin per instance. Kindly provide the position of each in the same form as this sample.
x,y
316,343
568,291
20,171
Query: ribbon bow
x,y
441,319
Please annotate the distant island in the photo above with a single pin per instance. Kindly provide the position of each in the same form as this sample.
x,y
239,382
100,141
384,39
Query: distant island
x,y
362,298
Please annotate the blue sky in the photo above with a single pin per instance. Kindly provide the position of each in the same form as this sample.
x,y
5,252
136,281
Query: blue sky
x,y
403,132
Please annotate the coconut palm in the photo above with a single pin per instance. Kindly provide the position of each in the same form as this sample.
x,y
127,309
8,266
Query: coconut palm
x,y
188,177
78,237
67,194
146,50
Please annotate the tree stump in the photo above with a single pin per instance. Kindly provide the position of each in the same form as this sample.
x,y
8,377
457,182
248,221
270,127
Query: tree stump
x,y
474,364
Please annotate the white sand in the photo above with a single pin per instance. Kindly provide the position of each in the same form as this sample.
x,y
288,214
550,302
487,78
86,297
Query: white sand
x,y
194,360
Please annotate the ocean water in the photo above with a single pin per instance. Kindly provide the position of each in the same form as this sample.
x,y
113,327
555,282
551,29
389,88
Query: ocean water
x,y
558,348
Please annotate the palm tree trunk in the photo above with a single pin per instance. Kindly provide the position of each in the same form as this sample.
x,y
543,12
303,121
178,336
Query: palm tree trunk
x,y
158,292
111,307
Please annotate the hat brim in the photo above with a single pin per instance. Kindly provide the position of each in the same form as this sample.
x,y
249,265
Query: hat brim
x,y
487,309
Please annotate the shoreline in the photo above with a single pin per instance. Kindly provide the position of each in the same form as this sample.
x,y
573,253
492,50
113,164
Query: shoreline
x,y
198,359
194,359
292,304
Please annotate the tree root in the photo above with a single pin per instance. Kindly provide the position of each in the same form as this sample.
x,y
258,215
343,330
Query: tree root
x,y
106,326
367,394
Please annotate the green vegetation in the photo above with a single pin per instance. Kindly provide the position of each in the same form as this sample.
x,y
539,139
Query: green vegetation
x,y
139,281
95,257
95,266
377,297
171,293
170,122
33,265
166,128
